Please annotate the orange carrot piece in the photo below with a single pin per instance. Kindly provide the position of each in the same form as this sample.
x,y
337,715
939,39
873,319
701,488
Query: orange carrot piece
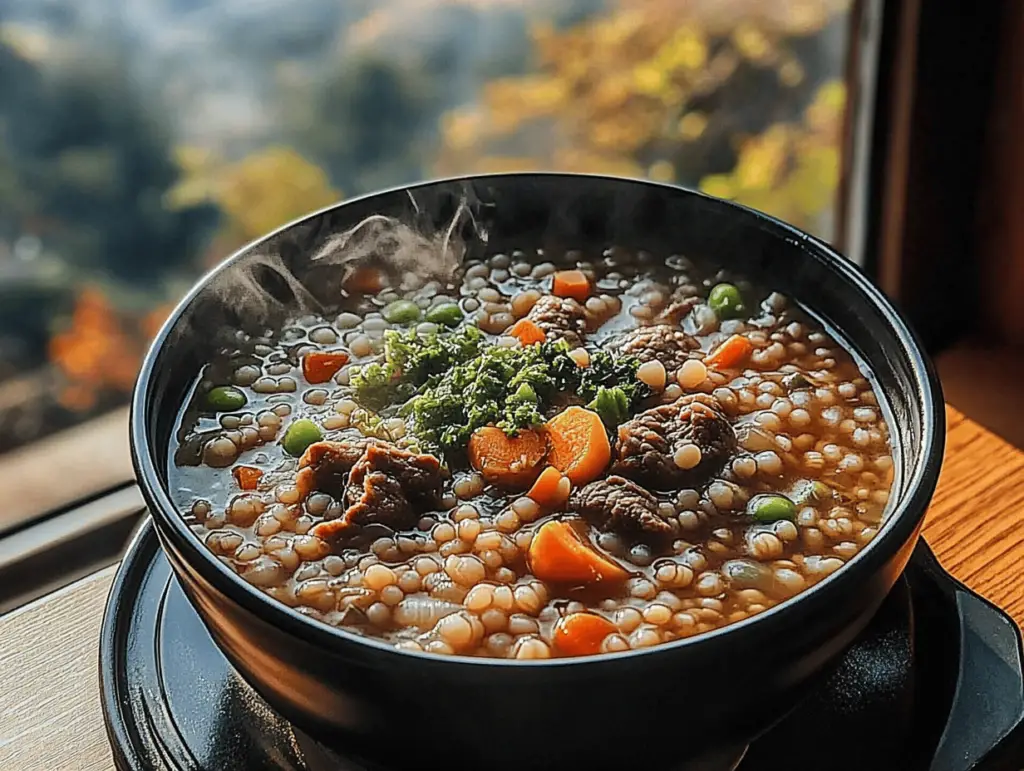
x,y
364,280
571,283
321,366
527,332
247,476
551,489
579,445
581,634
557,554
508,461
730,354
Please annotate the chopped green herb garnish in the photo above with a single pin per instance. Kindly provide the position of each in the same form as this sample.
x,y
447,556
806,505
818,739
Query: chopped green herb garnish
x,y
450,384
409,360
511,388
612,405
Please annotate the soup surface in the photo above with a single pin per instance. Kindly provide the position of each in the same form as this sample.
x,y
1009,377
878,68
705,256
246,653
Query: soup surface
x,y
539,459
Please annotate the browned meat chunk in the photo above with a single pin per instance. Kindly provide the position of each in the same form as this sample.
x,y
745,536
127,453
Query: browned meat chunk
x,y
647,446
667,344
387,486
324,466
621,506
419,476
561,318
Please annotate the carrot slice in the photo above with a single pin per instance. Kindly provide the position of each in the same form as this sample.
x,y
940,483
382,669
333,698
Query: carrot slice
x,y
508,461
527,332
579,445
581,634
551,489
571,283
321,366
364,280
730,354
557,554
247,476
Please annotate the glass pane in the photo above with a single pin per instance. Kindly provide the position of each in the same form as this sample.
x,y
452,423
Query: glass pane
x,y
141,142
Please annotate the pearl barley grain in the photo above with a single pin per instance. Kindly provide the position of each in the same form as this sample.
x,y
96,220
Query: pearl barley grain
x,y
687,457
653,374
691,374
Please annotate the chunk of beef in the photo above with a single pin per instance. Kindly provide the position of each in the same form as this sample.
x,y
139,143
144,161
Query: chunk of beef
x,y
325,466
669,345
647,444
621,506
561,318
419,476
387,486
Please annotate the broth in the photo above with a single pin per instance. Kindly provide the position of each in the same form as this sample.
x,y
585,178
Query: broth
x,y
678,450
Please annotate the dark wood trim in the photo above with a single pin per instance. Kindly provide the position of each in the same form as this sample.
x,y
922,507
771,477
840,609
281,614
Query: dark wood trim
x,y
936,77
851,74
902,90
861,75
1000,220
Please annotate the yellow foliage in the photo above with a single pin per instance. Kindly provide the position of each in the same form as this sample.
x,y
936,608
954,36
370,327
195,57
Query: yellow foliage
x,y
791,171
751,42
761,160
635,91
692,125
256,194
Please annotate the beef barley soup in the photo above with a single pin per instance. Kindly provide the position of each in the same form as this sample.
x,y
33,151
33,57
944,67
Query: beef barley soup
x,y
540,459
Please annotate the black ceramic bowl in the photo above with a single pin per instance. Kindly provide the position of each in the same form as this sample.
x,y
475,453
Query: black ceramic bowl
x,y
679,704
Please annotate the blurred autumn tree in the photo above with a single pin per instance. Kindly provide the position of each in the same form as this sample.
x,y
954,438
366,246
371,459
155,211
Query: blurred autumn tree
x,y
88,154
85,242
739,97
98,352
255,195
366,123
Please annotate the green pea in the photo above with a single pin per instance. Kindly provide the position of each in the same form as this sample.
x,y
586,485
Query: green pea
x,y
225,399
449,314
300,435
771,508
726,301
402,312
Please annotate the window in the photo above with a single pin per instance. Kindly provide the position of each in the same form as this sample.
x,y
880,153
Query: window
x,y
141,143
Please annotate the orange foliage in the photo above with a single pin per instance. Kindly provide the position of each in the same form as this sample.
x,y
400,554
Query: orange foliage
x,y
100,351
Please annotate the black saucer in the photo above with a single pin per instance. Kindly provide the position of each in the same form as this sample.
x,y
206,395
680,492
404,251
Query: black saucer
x,y
934,683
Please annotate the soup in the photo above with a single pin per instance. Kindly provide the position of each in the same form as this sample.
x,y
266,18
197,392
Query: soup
x,y
539,459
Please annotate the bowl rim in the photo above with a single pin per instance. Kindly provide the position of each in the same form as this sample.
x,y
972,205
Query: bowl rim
x,y
901,525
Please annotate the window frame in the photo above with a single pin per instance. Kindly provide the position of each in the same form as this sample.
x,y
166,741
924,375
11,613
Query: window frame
x,y
922,181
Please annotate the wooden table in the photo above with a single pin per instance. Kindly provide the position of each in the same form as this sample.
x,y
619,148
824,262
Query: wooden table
x,y
49,702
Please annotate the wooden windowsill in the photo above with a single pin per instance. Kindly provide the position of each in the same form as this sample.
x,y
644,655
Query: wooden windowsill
x,y
986,383
63,468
